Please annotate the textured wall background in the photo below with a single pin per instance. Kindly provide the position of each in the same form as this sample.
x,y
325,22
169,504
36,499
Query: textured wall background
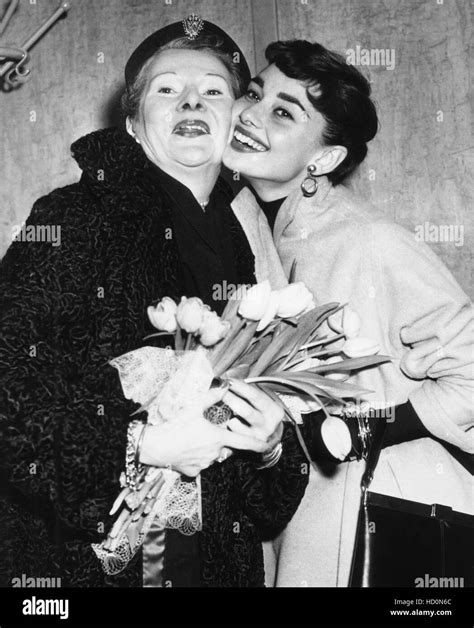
x,y
420,167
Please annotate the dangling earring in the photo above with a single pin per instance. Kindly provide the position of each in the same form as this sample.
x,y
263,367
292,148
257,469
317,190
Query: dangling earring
x,y
309,185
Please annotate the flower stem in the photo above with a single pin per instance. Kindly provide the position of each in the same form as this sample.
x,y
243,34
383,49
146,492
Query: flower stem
x,y
303,358
178,339
324,341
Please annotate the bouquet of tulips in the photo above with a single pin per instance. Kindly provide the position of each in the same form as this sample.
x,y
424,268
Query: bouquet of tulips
x,y
299,354
275,339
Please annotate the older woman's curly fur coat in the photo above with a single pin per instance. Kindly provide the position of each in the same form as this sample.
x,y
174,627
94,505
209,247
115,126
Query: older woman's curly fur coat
x,y
66,311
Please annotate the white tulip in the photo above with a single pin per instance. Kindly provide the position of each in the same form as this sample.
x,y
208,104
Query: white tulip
x,y
360,347
270,312
336,375
335,322
255,301
212,329
163,315
190,313
295,299
336,437
345,321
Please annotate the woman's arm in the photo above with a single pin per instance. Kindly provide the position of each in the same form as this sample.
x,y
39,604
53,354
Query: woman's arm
x,y
63,420
191,445
332,440
434,319
271,494
421,305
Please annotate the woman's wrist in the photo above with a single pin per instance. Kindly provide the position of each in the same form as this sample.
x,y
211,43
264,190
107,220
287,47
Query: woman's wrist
x,y
132,466
403,425
151,451
270,457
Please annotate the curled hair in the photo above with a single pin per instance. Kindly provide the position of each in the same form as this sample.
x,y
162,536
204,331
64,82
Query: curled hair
x,y
338,91
133,93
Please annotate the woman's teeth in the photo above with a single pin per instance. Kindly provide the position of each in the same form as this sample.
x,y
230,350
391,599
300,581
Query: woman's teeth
x,y
192,127
244,139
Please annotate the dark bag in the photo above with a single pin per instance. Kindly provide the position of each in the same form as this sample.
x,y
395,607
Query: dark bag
x,y
401,543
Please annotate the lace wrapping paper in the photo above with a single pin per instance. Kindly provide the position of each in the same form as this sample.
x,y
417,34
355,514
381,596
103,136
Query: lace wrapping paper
x,y
171,385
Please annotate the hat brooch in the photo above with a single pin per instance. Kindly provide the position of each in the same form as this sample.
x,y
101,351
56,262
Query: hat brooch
x,y
193,25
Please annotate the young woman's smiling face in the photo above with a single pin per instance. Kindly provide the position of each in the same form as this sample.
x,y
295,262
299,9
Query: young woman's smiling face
x,y
277,133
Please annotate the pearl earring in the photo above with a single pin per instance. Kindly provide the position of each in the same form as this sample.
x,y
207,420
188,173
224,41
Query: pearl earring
x,y
309,186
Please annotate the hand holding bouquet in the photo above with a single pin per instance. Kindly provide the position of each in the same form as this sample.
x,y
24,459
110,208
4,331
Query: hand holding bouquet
x,y
297,354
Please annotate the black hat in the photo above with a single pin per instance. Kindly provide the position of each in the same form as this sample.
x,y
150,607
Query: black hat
x,y
192,27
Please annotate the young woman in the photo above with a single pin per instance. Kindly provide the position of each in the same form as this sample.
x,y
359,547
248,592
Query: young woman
x,y
300,130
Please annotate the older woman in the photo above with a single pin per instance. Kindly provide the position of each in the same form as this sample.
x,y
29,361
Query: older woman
x,y
150,217
299,131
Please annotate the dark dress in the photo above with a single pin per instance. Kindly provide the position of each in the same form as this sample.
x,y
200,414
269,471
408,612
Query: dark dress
x,y
270,209
66,311
207,259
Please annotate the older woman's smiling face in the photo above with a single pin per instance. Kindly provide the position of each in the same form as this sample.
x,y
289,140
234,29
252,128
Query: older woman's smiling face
x,y
185,110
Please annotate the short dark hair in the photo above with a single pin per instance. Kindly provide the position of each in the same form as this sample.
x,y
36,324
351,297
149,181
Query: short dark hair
x,y
338,91
210,43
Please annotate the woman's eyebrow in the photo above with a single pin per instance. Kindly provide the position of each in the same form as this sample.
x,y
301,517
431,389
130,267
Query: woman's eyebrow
x,y
161,73
258,81
155,76
219,75
291,99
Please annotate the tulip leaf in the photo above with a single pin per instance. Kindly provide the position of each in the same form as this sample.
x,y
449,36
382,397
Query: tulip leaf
x,y
236,325
342,389
300,385
335,311
269,329
277,389
351,364
281,339
307,325
290,339
322,340
239,345
255,350
231,309
268,390
291,278
292,320
311,354
237,372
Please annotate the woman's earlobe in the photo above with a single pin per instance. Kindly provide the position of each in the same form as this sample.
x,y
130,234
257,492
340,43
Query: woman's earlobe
x,y
330,159
130,131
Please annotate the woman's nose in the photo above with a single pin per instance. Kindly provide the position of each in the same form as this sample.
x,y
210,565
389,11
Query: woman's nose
x,y
249,116
191,99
